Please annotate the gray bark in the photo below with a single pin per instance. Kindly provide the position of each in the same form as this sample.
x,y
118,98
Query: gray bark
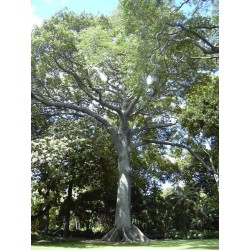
x,y
123,229
123,202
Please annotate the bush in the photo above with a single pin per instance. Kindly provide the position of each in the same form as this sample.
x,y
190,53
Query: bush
x,y
205,234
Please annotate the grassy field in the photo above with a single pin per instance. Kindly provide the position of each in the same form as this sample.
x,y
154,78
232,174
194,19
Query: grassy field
x,y
74,244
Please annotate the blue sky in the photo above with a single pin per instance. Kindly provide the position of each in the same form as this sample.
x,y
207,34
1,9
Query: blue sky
x,y
43,9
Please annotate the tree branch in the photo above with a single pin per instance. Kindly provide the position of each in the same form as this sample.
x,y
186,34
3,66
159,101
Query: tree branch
x,y
72,107
178,8
213,49
81,86
63,113
132,105
176,145
148,127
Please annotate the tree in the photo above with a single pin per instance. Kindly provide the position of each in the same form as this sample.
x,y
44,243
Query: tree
x,y
149,172
182,202
200,118
85,66
55,50
64,160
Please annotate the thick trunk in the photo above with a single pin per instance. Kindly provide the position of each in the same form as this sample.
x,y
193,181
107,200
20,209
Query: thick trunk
x,y
123,202
124,230
68,208
125,234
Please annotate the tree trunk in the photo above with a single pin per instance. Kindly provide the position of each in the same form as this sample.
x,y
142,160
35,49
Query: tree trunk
x,y
40,213
216,178
46,223
68,209
124,230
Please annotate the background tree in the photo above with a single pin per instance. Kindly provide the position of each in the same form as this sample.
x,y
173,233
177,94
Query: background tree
x,y
200,118
67,163
182,203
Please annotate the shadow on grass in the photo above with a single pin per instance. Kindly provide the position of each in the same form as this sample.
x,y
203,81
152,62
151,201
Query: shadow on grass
x,y
63,243
211,244
203,244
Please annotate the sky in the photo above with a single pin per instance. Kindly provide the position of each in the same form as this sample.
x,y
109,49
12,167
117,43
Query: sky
x,y
43,9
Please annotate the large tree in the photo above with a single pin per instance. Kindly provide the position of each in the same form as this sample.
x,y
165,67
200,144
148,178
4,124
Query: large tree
x,y
85,66
184,38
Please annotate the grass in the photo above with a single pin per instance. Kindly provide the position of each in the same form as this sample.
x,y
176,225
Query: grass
x,y
74,244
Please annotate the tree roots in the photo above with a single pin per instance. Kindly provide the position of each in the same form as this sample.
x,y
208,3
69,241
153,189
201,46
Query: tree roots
x,y
125,234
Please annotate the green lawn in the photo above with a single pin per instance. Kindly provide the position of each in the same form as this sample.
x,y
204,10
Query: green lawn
x,y
74,244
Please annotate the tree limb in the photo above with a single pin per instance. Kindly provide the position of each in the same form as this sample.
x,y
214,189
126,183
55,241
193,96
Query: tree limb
x,y
72,107
132,104
81,86
176,145
148,127
213,49
179,7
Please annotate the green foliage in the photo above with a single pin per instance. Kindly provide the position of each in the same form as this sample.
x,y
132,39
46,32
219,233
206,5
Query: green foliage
x,y
63,155
201,112
173,43
190,213
39,123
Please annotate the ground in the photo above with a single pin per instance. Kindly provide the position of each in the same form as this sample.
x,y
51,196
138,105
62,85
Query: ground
x,y
74,244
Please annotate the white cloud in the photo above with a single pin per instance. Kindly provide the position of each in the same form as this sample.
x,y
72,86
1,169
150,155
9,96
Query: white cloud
x,y
35,20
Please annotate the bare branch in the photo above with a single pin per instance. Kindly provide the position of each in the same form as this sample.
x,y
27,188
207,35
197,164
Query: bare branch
x,y
46,89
